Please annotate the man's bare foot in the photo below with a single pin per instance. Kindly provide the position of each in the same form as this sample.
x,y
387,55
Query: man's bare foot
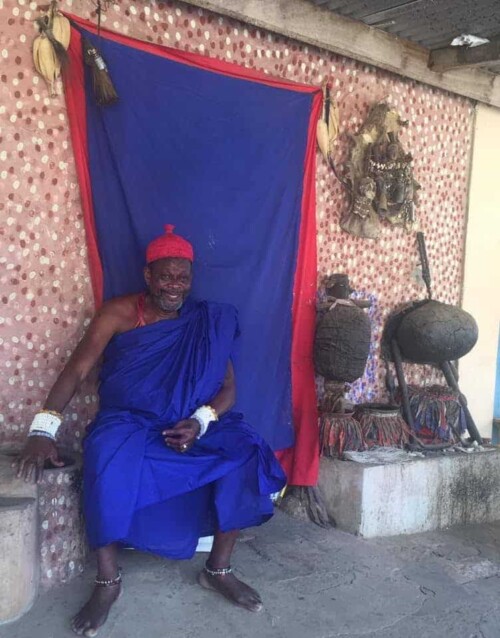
x,y
95,612
233,589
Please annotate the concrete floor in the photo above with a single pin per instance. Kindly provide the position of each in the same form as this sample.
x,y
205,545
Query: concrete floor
x,y
315,583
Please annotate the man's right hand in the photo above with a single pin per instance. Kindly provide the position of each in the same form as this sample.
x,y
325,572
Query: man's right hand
x,y
31,461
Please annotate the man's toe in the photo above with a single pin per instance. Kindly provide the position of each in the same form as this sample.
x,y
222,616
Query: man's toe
x,y
252,602
75,626
81,626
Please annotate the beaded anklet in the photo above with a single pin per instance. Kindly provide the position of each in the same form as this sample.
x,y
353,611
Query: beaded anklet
x,y
218,572
111,582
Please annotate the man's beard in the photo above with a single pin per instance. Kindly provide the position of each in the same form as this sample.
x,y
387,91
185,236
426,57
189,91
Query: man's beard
x,y
165,305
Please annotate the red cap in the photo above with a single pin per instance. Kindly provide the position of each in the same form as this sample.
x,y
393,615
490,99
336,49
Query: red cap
x,y
169,245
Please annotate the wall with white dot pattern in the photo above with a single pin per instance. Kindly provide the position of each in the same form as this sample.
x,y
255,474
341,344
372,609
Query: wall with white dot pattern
x,y
46,299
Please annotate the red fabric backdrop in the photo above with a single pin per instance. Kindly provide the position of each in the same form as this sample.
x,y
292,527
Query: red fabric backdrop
x,y
301,461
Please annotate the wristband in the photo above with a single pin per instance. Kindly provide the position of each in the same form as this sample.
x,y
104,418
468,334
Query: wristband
x,y
204,415
41,433
46,421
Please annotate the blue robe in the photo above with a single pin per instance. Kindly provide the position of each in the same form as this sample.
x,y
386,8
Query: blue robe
x,y
137,490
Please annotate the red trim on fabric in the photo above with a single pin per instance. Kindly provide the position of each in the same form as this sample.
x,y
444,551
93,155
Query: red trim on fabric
x,y
74,91
141,300
301,462
195,59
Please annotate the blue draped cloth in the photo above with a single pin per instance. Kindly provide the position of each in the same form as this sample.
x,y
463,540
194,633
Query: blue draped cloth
x,y
137,490
222,159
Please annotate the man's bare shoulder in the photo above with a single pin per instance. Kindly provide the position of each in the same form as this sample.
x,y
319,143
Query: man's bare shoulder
x,y
119,311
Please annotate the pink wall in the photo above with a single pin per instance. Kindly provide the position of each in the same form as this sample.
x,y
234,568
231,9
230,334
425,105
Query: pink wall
x,y
46,296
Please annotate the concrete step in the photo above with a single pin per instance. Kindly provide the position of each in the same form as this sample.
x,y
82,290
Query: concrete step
x,y
10,485
18,556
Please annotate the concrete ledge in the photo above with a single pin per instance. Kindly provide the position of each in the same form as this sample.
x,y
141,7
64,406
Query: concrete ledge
x,y
18,556
416,496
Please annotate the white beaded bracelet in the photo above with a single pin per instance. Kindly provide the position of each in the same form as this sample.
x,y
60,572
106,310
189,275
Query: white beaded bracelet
x,y
205,414
46,421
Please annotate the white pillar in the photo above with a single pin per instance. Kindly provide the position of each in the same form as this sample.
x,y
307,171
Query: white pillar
x,y
481,295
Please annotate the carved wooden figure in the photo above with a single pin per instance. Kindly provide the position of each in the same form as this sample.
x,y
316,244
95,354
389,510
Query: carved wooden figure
x,y
380,175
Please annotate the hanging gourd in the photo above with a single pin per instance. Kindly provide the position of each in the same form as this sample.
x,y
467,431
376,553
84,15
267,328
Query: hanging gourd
x,y
49,47
327,128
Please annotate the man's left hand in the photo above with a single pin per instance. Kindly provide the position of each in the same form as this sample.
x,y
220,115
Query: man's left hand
x,y
182,436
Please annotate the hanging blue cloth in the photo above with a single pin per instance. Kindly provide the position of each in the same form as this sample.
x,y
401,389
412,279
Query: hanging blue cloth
x,y
223,160
137,490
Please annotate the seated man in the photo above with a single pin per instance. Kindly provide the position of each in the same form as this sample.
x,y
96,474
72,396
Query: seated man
x,y
165,460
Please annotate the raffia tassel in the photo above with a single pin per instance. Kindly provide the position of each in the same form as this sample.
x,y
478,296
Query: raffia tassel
x,y
307,504
383,427
339,433
437,413
104,90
